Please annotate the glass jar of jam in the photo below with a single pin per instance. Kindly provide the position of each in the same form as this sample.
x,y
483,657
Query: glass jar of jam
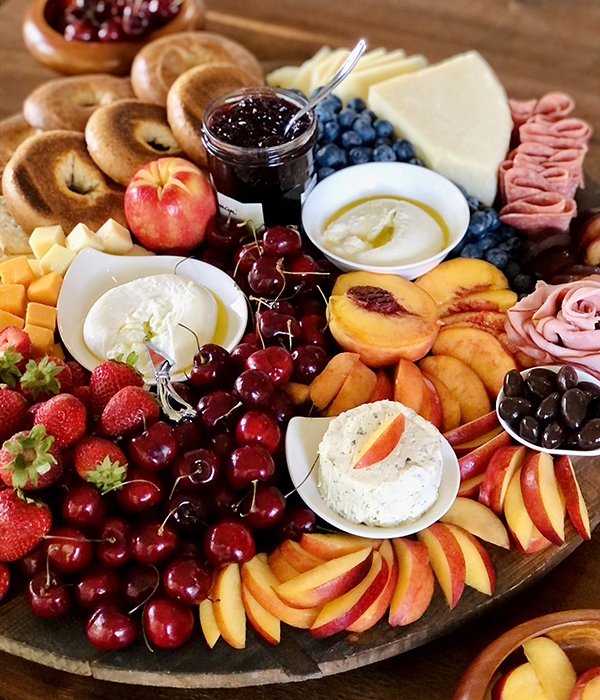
x,y
250,158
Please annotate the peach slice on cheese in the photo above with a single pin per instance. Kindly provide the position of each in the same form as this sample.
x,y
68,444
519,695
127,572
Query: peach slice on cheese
x,y
381,443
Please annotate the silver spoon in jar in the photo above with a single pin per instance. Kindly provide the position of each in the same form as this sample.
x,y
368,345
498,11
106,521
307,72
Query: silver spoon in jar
x,y
322,92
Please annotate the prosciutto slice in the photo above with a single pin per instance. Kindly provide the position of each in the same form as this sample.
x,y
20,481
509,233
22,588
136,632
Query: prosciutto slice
x,y
539,211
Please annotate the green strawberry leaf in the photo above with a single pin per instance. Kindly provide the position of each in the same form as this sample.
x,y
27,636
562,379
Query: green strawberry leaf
x,y
107,475
9,372
31,457
40,378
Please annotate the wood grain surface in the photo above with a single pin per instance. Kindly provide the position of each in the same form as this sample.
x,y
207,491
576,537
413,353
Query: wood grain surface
x,y
535,46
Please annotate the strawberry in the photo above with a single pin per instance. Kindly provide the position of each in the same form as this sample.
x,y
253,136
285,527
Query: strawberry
x,y
19,343
100,462
110,377
44,378
79,374
23,523
4,579
30,460
84,394
64,417
131,409
13,413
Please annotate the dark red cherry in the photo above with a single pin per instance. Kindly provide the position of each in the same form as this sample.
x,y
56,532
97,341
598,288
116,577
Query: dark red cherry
x,y
264,508
68,549
309,361
295,522
266,277
155,448
196,469
280,240
224,234
240,354
96,585
247,464
140,582
218,411
275,361
187,434
109,629
212,368
228,541
83,506
48,596
278,329
187,580
152,542
142,491
186,511
113,548
253,387
258,428
168,623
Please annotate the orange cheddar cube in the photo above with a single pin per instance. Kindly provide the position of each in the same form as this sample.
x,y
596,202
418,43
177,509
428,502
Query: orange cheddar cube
x,y
7,319
42,339
58,351
13,298
41,315
46,289
16,271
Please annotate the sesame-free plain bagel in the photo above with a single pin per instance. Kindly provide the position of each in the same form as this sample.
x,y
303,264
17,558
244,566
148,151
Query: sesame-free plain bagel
x,y
13,131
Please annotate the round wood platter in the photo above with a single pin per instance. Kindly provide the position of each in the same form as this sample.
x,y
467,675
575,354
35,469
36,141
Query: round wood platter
x,y
63,645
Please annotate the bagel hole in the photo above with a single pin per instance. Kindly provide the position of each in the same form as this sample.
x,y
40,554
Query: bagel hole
x,y
78,177
158,137
87,99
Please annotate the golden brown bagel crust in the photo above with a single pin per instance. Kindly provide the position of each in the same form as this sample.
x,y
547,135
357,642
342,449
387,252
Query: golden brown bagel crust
x,y
13,131
125,135
190,94
161,62
67,103
52,179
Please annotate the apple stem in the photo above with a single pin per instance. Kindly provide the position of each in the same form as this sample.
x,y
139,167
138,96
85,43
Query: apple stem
x,y
314,464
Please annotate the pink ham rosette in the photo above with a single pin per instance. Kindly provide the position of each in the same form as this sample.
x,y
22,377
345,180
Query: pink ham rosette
x,y
559,324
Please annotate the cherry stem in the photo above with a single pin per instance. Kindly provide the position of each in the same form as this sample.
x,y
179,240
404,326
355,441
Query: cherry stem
x,y
143,602
314,464
161,529
70,539
290,338
192,332
236,507
131,481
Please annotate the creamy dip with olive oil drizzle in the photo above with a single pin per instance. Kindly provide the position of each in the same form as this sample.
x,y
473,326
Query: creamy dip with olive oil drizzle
x,y
385,231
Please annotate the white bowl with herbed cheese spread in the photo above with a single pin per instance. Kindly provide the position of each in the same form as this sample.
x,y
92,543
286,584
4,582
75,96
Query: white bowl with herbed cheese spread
x,y
393,218
406,491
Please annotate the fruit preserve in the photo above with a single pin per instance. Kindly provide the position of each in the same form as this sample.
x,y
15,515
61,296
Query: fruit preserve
x,y
250,158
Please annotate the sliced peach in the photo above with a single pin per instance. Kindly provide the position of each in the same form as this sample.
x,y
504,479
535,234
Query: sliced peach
x,y
261,582
378,608
525,534
384,388
542,496
327,581
209,626
409,387
476,461
381,443
345,610
489,301
587,686
264,622
503,464
491,321
280,566
470,487
295,555
325,387
552,667
464,384
520,683
480,351
228,606
414,575
465,447
576,508
451,414
298,394
480,573
356,390
477,519
473,430
382,317
431,408
446,559
330,546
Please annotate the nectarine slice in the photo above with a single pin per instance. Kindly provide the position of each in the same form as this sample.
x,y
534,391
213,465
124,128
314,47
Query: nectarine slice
x,y
489,301
209,626
281,567
470,487
384,388
480,573
325,387
552,667
451,413
431,408
298,394
576,508
264,622
381,443
446,559
409,387
491,321
476,461
331,546
503,464
526,536
295,555
477,429
477,519
542,496
356,390
464,448
228,606
414,575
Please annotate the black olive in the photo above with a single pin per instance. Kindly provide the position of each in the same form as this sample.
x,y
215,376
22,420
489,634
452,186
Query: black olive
x,y
549,408
566,378
543,372
529,429
513,384
554,435
571,442
589,435
592,390
573,407
537,388
513,408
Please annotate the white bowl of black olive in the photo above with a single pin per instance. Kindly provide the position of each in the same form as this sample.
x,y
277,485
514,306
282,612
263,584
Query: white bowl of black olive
x,y
554,409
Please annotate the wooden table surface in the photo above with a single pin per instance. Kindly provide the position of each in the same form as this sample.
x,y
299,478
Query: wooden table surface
x,y
535,46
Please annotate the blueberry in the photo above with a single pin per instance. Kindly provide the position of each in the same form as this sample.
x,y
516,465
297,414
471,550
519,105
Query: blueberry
x,y
346,117
523,284
360,154
478,224
471,250
473,203
512,269
322,173
381,140
383,127
511,245
324,113
507,231
496,257
333,101
331,156
364,130
404,149
488,241
384,154
369,115
319,129
417,161
331,130
356,103
493,220
350,139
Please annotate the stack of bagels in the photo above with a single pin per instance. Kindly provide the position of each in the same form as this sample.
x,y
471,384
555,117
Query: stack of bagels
x,y
68,158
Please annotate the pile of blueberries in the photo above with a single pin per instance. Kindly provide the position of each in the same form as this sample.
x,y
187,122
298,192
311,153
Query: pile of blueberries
x,y
353,135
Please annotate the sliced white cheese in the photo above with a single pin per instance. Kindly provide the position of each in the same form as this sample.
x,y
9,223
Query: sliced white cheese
x,y
386,57
456,114
284,77
304,76
324,71
370,58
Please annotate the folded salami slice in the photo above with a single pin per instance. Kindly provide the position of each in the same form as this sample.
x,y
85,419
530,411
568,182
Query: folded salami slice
x,y
554,106
566,133
521,110
539,212
520,182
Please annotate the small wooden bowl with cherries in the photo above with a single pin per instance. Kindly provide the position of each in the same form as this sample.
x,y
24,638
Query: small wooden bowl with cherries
x,y
102,36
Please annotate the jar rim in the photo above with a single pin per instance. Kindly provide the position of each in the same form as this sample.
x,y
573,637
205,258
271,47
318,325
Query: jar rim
x,y
270,153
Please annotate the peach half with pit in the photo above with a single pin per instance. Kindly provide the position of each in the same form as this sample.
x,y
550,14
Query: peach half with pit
x,y
383,318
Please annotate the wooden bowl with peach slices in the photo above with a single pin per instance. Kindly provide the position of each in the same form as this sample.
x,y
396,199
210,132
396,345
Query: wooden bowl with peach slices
x,y
558,654
46,42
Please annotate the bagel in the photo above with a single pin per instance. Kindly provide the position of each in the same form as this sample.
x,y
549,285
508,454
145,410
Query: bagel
x,y
67,103
188,98
52,179
125,135
161,62
13,131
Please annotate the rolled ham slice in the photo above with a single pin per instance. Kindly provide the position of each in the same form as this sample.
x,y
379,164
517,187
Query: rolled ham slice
x,y
541,211
566,133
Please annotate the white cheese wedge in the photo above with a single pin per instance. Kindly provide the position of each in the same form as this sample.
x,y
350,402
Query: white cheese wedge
x,y
386,57
456,114
82,237
44,237
57,259
114,238
324,71
370,58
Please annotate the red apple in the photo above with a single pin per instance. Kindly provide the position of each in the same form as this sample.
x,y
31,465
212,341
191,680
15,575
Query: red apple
x,y
168,204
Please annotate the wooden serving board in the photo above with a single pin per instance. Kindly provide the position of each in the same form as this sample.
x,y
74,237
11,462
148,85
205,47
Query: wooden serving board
x,y
63,645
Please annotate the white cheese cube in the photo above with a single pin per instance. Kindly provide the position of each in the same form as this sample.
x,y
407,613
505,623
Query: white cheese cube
x,y
35,267
139,250
456,115
57,259
44,237
114,238
82,237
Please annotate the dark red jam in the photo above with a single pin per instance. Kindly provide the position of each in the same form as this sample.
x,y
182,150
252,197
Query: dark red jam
x,y
249,157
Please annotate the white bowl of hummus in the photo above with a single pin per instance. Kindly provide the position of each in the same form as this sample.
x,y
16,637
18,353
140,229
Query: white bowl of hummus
x,y
403,494
394,218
